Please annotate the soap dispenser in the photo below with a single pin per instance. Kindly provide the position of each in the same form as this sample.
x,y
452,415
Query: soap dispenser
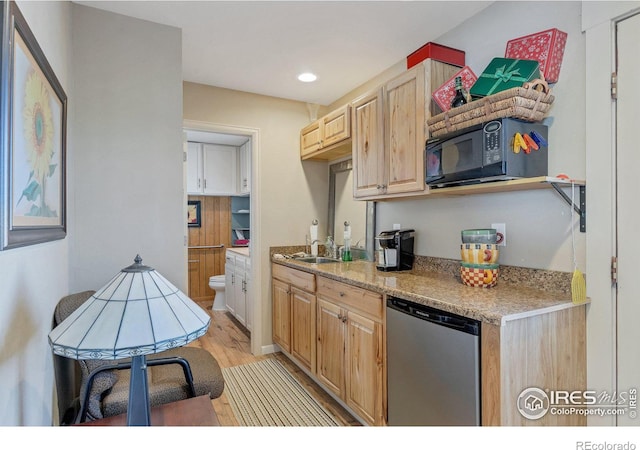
x,y
346,252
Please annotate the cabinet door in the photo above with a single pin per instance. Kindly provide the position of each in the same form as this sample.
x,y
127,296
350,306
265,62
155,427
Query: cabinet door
x,y
220,169
281,320
244,180
364,366
336,126
310,138
405,132
303,328
229,284
248,299
367,143
330,346
240,307
194,168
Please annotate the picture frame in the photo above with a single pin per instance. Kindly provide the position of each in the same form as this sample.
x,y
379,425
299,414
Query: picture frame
x,y
33,134
194,213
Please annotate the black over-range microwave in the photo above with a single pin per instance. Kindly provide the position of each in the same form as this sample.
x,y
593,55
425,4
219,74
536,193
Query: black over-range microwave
x,y
488,152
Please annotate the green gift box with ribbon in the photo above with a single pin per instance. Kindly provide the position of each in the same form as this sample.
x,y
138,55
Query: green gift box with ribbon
x,y
504,73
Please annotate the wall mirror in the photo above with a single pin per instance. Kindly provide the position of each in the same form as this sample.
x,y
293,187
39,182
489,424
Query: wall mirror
x,y
342,206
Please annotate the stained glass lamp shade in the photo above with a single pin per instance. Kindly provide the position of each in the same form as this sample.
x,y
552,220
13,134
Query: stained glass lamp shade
x,y
137,313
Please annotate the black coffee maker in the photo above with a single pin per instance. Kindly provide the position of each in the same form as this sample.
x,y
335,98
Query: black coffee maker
x,y
396,250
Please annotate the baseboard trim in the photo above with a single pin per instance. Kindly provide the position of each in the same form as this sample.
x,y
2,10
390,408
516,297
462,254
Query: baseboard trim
x,y
271,348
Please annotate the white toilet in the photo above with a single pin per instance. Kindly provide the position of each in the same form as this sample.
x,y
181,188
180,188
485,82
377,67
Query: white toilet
x,y
217,284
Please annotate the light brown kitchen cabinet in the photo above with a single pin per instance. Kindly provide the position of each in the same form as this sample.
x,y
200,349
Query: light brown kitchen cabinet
x,y
331,348
303,327
310,139
281,309
327,138
389,132
351,347
294,314
367,144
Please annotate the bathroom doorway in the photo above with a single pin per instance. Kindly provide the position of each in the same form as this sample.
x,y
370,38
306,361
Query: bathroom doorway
x,y
218,177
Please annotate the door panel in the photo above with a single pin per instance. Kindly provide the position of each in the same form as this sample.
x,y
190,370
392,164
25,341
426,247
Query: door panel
x,y
281,315
215,230
404,132
364,366
330,347
628,217
303,327
367,144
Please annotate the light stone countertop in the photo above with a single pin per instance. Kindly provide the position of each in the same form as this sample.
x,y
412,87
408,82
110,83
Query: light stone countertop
x,y
496,305
244,251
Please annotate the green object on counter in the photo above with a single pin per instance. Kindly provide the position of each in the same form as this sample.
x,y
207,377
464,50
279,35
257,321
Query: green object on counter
x,y
504,73
346,255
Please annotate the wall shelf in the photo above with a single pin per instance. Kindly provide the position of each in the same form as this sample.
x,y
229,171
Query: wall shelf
x,y
240,220
522,184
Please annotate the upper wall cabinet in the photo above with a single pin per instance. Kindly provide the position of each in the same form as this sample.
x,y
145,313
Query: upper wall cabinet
x,y
325,138
212,169
389,132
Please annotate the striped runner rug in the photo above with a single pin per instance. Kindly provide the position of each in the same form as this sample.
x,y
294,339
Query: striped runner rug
x,y
264,393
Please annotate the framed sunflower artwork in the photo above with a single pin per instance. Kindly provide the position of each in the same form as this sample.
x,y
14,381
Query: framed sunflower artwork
x,y
33,124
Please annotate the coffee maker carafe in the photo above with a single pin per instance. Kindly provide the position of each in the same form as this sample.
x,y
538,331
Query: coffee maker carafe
x,y
396,250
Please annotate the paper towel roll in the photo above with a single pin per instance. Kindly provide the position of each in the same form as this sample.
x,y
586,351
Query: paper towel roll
x,y
313,232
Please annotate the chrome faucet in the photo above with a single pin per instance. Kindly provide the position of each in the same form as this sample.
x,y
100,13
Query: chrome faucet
x,y
309,243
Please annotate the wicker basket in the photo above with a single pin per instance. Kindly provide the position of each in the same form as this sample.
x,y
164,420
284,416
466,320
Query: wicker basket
x,y
531,102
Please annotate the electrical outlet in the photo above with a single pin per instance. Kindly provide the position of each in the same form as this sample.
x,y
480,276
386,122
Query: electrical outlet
x,y
501,228
396,226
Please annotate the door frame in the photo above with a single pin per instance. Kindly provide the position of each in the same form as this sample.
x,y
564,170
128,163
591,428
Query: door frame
x,y
599,24
256,235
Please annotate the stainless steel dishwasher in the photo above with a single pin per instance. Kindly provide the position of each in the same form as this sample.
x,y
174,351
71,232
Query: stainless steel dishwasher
x,y
433,361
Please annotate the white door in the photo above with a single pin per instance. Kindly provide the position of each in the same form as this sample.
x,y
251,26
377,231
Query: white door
x,y
628,211
194,168
220,169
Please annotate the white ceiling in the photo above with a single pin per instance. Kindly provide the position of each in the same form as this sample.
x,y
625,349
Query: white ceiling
x,y
261,46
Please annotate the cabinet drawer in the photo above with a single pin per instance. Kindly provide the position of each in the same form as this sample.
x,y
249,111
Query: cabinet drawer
x,y
298,278
352,297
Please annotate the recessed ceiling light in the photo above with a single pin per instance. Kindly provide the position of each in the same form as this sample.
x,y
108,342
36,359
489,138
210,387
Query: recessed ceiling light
x,y
307,77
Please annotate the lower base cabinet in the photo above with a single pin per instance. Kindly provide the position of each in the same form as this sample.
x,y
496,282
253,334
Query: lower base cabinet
x,y
294,314
335,332
237,285
351,347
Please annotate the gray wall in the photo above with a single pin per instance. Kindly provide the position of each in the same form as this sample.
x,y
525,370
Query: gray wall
x,y
538,230
127,168
34,278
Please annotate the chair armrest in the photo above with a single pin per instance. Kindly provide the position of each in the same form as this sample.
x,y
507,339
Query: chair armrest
x,y
82,416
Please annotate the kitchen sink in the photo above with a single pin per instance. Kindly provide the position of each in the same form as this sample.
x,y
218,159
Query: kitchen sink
x,y
317,259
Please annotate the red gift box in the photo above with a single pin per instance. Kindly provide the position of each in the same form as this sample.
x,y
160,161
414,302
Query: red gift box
x,y
547,47
438,52
444,94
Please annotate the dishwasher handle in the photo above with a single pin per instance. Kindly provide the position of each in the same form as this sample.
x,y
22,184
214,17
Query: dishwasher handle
x,y
436,316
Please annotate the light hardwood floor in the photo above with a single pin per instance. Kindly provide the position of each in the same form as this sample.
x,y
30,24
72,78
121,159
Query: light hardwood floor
x,y
229,342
